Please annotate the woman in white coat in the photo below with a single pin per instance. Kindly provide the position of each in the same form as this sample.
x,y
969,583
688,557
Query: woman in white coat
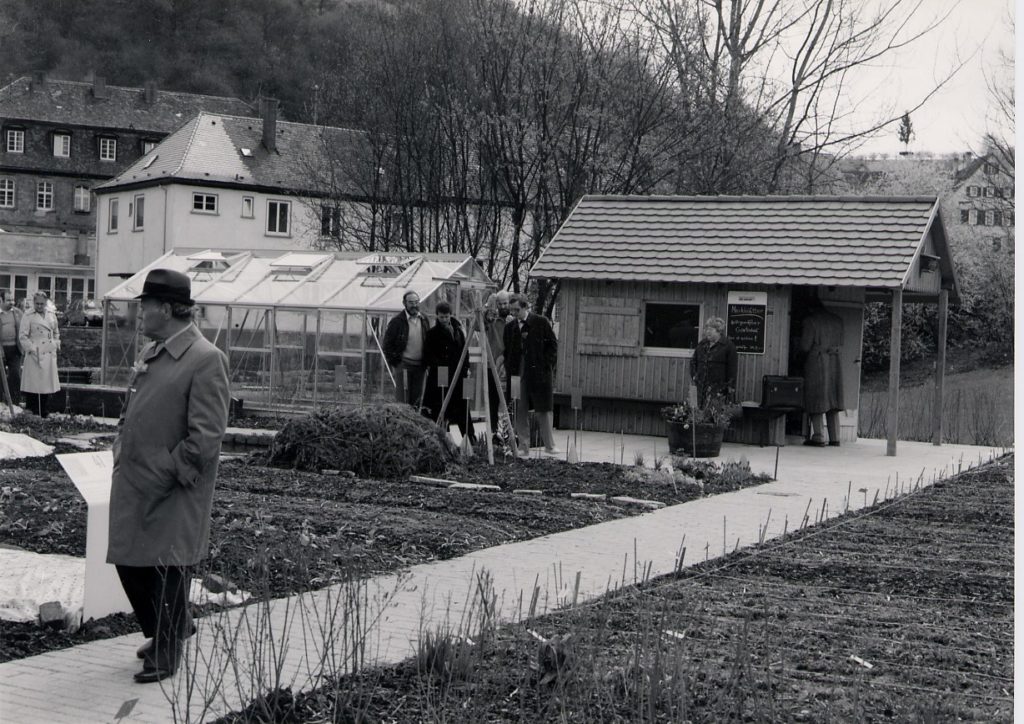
x,y
40,342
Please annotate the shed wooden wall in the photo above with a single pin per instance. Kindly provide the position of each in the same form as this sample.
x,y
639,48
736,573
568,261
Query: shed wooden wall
x,y
623,389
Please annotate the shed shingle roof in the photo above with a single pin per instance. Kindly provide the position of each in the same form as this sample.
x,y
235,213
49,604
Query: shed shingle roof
x,y
210,148
73,103
838,241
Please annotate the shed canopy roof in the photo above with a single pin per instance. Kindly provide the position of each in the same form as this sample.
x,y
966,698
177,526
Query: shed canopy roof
x,y
309,279
807,240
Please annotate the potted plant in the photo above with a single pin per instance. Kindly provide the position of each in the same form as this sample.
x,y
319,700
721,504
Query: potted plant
x,y
697,431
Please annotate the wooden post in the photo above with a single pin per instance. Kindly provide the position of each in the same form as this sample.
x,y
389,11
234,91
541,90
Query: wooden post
x,y
940,366
893,415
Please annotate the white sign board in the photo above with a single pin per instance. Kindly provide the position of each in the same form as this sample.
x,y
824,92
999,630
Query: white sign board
x,y
91,473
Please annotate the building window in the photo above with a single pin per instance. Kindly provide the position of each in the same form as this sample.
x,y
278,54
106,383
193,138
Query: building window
x,y
6,193
140,212
973,191
278,217
15,141
248,207
330,221
990,168
108,149
990,217
997,217
62,144
671,326
83,200
60,291
204,203
20,287
979,217
45,285
90,288
990,191
965,216
112,216
44,196
148,146
77,288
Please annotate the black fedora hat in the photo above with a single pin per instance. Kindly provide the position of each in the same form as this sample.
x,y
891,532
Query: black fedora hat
x,y
167,285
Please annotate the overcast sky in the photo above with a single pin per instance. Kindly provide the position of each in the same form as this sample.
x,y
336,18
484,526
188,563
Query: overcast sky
x,y
956,118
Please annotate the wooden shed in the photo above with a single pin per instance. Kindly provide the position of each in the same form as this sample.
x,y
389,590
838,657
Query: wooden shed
x,y
639,275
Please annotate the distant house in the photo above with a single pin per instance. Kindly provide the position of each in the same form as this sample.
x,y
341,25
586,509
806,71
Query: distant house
x,y
982,197
640,275
226,182
58,140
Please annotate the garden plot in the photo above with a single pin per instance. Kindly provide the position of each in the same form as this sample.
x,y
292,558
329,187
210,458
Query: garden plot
x,y
901,612
277,532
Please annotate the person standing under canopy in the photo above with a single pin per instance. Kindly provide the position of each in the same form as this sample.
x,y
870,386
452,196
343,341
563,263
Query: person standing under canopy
x,y
821,342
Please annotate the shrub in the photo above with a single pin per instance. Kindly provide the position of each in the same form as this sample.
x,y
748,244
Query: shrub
x,y
378,441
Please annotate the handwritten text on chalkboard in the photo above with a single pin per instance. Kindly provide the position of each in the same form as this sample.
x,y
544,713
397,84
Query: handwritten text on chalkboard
x,y
746,323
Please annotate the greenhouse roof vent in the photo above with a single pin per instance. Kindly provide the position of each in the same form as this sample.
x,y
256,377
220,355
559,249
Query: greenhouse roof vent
x,y
296,265
386,265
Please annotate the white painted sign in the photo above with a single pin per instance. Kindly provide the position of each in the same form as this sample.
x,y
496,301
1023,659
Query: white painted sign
x,y
91,472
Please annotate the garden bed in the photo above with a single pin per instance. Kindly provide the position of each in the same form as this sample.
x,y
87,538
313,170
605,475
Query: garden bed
x,y
900,612
276,532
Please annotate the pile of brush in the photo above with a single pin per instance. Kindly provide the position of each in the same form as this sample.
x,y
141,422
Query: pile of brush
x,y
375,441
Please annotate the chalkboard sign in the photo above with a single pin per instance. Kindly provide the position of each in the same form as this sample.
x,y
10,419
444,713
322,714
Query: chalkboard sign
x,y
746,324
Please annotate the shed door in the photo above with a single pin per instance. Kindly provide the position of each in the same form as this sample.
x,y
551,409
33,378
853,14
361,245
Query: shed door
x,y
609,326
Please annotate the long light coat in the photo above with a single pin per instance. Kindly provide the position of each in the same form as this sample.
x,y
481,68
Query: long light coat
x,y
39,370
165,457
822,340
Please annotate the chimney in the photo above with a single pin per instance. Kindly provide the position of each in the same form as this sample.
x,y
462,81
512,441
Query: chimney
x,y
268,111
99,87
149,93
38,81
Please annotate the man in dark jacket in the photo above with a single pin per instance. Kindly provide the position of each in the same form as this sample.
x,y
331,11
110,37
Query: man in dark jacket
x,y
165,465
10,322
404,341
531,352
445,342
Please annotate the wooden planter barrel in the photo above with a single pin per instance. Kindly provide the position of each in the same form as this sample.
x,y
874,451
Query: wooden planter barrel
x,y
708,440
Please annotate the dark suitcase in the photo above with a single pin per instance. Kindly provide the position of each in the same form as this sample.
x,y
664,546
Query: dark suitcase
x,y
778,391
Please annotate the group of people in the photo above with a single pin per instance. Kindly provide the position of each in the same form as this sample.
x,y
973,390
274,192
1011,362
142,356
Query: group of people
x,y
524,349
30,342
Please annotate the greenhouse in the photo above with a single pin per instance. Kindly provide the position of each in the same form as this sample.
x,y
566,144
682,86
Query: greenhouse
x,y
299,328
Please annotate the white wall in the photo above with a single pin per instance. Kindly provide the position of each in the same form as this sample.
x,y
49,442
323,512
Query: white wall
x,y
170,221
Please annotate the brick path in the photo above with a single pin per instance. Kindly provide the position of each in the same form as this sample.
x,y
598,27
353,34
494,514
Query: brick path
x,y
92,682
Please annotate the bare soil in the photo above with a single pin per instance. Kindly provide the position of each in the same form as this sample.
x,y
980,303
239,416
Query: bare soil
x,y
277,532
902,612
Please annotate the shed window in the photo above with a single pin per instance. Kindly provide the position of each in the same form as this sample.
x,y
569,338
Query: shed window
x,y
609,326
671,326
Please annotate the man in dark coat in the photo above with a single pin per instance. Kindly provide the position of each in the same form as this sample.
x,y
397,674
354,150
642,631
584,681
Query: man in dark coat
x,y
531,352
165,465
403,345
445,342
10,322
821,342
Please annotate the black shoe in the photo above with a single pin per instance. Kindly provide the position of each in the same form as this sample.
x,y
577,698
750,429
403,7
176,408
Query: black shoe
x,y
148,646
833,443
152,675
814,443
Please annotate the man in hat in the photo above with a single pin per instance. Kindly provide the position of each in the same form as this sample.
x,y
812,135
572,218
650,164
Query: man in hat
x,y
165,464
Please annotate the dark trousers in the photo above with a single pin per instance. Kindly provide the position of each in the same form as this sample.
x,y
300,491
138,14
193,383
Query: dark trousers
x,y
159,598
37,404
409,383
12,366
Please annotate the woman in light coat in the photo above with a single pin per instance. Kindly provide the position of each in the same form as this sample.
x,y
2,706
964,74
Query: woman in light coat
x,y
40,342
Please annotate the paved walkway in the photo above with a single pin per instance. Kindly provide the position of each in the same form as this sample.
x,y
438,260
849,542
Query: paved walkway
x,y
92,682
